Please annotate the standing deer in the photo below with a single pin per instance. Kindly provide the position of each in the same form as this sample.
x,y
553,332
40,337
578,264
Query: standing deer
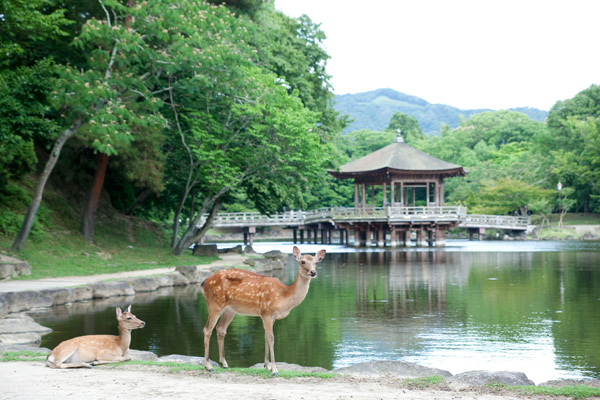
x,y
235,291
87,351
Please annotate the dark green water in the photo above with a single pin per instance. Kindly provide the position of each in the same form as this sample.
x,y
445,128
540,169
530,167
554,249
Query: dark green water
x,y
523,306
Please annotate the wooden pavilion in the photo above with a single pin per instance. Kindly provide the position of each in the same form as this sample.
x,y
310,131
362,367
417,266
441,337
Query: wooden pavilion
x,y
405,184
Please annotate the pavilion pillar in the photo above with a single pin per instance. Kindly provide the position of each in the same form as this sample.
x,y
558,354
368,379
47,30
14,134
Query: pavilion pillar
x,y
364,196
368,234
402,194
385,202
356,198
393,236
373,196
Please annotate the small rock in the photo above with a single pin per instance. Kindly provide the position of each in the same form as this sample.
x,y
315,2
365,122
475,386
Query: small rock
x,y
391,368
283,366
178,358
205,250
140,355
111,289
480,378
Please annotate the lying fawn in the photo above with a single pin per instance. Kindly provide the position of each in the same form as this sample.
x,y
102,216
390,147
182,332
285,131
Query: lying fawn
x,y
87,351
236,291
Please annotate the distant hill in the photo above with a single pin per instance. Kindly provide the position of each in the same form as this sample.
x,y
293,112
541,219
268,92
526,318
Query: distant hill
x,y
373,110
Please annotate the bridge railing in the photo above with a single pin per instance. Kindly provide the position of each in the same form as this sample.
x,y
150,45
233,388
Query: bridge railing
x,y
343,214
256,218
495,221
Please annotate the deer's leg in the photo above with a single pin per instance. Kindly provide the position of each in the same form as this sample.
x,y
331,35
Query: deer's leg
x,y
208,328
269,343
224,322
71,365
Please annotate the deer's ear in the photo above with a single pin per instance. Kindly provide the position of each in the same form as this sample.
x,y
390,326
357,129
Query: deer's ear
x,y
320,255
297,253
119,312
129,308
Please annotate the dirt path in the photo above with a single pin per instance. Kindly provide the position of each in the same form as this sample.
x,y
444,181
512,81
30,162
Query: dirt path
x,y
226,260
32,380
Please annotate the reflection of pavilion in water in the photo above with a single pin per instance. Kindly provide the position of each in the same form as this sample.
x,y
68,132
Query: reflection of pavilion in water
x,y
415,282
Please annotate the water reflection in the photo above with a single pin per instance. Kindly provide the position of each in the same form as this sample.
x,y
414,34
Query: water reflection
x,y
531,309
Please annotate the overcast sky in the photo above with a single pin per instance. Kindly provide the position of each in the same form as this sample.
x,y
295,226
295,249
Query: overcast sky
x,y
464,53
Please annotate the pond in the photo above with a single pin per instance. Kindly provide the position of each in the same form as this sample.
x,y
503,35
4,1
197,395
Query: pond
x,y
522,306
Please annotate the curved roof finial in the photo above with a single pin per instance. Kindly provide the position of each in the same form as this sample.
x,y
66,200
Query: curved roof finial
x,y
399,138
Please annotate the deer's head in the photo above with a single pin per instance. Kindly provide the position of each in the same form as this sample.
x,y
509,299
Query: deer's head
x,y
308,263
129,321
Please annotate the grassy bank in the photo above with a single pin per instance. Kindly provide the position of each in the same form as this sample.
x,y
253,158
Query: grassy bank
x,y
123,244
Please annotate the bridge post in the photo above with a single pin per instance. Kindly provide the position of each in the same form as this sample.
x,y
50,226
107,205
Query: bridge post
x,y
393,236
368,236
430,237
440,237
380,236
421,242
479,231
249,233
295,235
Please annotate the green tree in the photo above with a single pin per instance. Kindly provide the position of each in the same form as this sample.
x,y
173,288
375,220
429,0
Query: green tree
x,y
508,196
23,101
25,22
267,146
108,100
574,126
407,125
564,203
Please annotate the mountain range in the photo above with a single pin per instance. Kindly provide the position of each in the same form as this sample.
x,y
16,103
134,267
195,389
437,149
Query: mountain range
x,y
373,110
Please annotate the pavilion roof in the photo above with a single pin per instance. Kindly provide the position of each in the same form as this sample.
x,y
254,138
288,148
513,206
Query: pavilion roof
x,y
398,157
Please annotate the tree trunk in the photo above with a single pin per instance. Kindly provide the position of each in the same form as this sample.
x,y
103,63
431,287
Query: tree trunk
x,y
39,189
176,216
138,201
88,218
192,234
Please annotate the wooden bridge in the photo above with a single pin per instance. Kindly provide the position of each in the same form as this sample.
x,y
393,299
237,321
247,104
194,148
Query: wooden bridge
x,y
423,221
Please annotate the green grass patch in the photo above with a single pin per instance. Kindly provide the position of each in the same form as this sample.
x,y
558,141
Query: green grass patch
x,y
557,233
22,356
424,382
257,372
263,373
573,391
